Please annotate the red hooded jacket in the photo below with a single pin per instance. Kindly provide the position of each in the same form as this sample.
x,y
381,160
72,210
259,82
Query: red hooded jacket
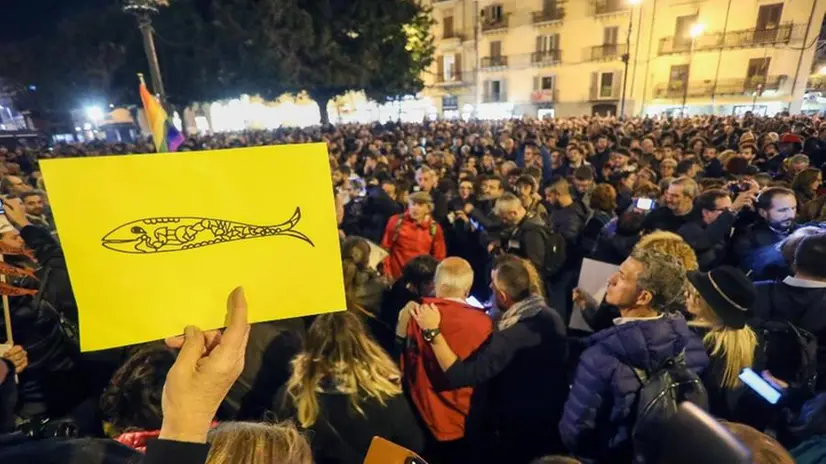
x,y
409,240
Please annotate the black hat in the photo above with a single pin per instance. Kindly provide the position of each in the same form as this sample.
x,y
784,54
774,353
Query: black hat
x,y
728,292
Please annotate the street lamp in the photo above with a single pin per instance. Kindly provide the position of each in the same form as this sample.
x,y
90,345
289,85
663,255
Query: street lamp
x,y
143,11
626,57
696,30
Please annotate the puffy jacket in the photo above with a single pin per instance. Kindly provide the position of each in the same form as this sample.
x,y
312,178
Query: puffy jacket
x,y
569,221
597,420
752,246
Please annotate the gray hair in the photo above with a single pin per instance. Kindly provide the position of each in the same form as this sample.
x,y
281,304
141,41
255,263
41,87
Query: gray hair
x,y
506,202
663,276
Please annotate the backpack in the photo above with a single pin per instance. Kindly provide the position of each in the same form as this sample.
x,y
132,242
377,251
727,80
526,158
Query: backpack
x,y
790,353
555,252
662,391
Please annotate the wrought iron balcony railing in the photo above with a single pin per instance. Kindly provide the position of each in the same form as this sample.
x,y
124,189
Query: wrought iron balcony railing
x,y
744,38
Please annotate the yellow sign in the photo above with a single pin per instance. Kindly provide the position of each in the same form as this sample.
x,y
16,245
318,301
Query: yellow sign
x,y
154,243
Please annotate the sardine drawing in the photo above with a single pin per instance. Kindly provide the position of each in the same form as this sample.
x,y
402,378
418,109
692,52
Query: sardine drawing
x,y
168,234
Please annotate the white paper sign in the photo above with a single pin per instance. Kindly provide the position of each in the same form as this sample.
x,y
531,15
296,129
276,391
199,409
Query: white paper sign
x,y
593,280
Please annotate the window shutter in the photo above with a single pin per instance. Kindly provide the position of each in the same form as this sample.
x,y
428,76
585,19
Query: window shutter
x,y
486,90
440,67
594,85
557,46
539,43
536,83
617,84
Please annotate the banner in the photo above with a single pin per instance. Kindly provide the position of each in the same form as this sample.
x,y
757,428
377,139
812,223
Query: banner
x,y
154,243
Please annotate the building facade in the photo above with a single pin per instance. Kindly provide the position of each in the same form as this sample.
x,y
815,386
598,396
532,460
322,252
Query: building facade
x,y
500,58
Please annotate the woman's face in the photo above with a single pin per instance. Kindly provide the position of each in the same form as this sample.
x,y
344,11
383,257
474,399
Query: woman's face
x,y
816,184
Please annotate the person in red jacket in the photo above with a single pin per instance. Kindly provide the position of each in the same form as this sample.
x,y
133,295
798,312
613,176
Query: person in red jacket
x,y
412,234
444,410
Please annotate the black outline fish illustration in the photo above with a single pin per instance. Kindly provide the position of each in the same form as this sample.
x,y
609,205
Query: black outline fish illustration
x,y
169,234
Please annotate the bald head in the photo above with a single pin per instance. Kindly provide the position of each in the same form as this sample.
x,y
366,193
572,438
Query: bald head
x,y
454,278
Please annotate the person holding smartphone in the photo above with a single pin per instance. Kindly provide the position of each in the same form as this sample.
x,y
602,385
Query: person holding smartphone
x,y
720,300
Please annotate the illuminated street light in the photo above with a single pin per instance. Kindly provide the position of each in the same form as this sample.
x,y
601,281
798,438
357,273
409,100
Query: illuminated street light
x,y
94,113
822,70
634,2
697,30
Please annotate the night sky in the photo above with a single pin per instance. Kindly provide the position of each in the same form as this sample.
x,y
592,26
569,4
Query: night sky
x,y
20,19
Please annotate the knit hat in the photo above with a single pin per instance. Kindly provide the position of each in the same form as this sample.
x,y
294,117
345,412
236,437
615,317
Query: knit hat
x,y
728,292
788,137
747,137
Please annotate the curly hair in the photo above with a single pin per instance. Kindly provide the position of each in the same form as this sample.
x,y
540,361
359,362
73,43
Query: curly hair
x,y
132,401
663,276
671,244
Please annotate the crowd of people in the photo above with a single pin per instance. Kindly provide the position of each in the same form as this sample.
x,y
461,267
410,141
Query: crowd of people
x,y
461,342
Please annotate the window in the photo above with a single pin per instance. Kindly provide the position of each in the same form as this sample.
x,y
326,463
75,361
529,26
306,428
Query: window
x,y
682,31
609,35
447,25
493,13
606,85
496,90
757,71
496,48
549,6
449,67
678,78
546,43
546,83
450,102
768,16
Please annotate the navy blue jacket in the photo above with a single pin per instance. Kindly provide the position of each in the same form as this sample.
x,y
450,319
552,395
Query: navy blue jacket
x,y
597,420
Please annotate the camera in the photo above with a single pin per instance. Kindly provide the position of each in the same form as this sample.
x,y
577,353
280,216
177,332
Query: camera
x,y
738,188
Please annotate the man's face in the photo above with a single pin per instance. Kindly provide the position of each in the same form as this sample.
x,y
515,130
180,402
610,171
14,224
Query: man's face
x,y
491,189
426,180
782,212
709,153
17,185
666,170
418,211
798,167
574,156
720,205
499,295
676,200
618,160
511,214
602,143
525,192
647,146
747,153
622,286
556,160
582,186
12,239
34,205
465,190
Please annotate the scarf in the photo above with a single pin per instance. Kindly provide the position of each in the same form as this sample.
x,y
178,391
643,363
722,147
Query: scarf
x,y
10,271
525,309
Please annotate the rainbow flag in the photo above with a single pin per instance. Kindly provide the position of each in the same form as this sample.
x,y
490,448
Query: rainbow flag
x,y
166,136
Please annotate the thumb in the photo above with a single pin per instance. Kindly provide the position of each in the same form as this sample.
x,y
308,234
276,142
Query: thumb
x,y
193,347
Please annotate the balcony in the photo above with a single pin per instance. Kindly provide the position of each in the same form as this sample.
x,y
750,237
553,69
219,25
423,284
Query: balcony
x,y
494,98
745,38
448,36
732,87
546,57
495,24
606,52
545,96
494,62
548,16
453,79
606,7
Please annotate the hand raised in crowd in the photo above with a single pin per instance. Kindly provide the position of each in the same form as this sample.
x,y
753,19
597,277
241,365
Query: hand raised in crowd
x,y
18,356
427,316
16,213
583,300
207,366
744,200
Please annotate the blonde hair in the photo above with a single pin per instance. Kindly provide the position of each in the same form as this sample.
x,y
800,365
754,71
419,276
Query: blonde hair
x,y
735,346
338,348
257,443
672,244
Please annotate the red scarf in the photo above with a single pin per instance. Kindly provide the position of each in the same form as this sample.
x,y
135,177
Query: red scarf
x,y
11,271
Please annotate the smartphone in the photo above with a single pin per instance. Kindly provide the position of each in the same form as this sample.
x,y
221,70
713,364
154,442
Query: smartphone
x,y
760,386
645,204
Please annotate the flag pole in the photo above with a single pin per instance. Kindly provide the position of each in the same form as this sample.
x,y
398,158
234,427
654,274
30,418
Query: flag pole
x,y
6,310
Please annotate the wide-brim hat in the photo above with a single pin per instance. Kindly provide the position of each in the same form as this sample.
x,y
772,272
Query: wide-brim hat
x,y
728,292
